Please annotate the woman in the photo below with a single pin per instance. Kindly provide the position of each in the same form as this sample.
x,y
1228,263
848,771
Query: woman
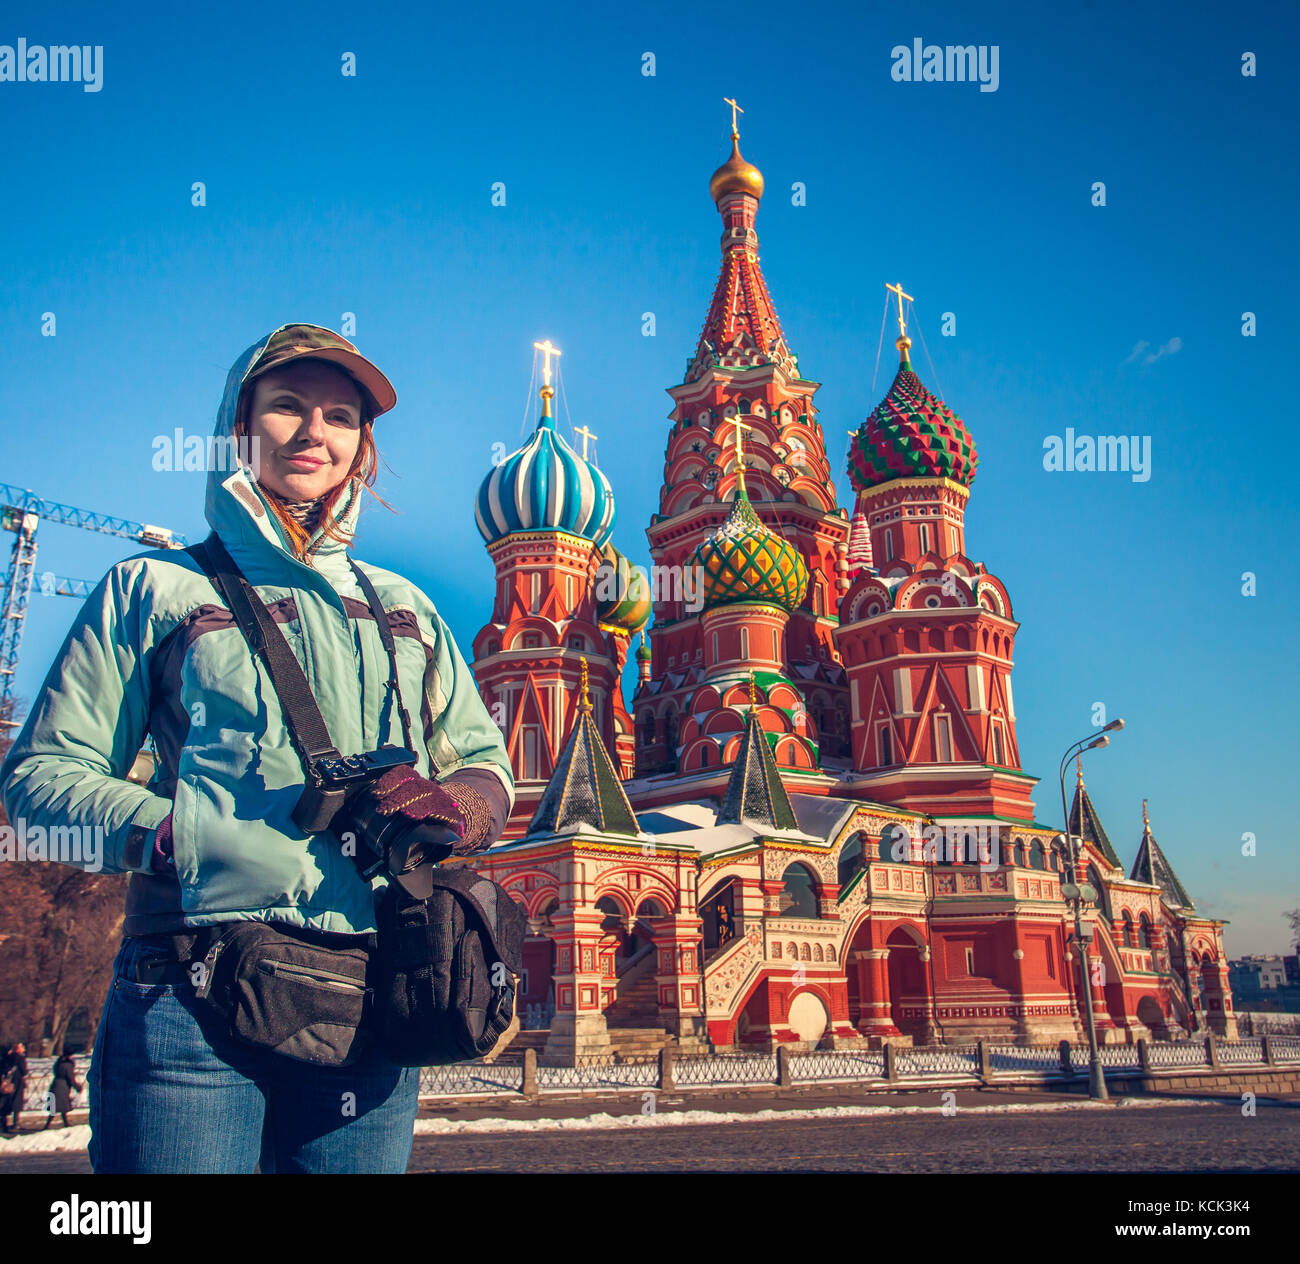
x,y
63,1083
212,840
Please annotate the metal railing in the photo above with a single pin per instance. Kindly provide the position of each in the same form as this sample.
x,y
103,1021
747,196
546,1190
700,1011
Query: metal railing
x,y
956,1064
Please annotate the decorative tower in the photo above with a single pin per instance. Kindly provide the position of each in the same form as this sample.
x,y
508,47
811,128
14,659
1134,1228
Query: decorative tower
x,y
927,638
546,514
744,375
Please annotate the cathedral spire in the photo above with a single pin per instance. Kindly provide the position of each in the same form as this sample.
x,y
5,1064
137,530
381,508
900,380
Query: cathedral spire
x,y
1151,865
742,329
1085,822
754,794
584,790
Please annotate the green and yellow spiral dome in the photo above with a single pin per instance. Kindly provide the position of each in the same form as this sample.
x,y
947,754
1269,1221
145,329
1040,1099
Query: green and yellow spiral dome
x,y
744,561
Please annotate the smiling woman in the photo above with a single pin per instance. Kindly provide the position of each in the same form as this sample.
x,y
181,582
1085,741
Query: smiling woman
x,y
226,863
308,427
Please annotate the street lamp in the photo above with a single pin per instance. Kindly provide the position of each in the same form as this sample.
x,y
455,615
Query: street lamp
x,y
1076,894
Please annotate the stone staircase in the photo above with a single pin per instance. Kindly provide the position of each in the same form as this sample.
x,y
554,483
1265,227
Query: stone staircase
x,y
635,1029
637,1003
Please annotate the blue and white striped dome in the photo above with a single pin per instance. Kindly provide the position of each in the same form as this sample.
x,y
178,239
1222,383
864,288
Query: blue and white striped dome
x,y
546,486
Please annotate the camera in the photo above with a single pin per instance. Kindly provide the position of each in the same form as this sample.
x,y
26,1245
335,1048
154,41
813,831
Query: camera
x,y
339,795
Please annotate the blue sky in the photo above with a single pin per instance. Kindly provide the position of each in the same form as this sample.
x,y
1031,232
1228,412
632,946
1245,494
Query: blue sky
x,y
372,195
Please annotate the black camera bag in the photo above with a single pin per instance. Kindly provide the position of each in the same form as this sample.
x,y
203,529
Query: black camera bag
x,y
442,972
445,968
303,994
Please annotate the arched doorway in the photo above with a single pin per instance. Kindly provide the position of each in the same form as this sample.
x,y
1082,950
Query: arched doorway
x,y
809,1017
907,990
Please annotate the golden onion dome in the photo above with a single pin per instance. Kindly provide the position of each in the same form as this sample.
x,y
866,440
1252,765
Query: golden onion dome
x,y
736,175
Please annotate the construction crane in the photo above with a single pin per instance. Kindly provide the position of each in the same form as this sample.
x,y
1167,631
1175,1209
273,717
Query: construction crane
x,y
20,512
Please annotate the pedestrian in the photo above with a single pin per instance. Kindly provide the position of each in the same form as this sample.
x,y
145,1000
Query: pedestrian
x,y
62,1086
6,1087
13,1081
214,844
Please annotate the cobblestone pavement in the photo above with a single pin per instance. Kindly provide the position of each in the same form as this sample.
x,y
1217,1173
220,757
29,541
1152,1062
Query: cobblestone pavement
x,y
1150,1138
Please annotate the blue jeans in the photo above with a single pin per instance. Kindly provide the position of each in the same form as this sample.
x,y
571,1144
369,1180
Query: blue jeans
x,y
171,1092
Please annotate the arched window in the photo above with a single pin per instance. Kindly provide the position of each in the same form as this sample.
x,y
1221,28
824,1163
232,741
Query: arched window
x,y
670,731
886,746
1037,860
1144,931
889,544
853,860
647,728
744,643
1130,935
895,844
943,739
798,892
1103,897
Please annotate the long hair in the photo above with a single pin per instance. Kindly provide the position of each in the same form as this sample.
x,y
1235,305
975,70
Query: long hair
x,y
363,472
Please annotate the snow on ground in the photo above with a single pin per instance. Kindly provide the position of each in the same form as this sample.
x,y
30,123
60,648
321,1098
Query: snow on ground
x,y
78,1136
53,1139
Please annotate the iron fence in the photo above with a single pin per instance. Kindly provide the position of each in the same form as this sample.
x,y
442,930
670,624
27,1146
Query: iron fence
x,y
867,1066
1043,1060
847,1064
725,1069
946,1060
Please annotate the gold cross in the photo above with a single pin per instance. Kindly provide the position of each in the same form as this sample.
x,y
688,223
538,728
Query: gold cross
x,y
898,289
585,702
753,700
734,107
740,466
548,351
586,434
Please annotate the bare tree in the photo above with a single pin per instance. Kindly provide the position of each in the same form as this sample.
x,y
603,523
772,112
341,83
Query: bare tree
x,y
59,930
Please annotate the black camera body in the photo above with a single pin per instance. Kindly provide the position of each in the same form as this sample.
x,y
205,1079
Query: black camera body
x,y
337,797
338,781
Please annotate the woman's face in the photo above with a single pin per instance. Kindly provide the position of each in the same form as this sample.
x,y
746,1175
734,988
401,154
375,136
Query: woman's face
x,y
306,419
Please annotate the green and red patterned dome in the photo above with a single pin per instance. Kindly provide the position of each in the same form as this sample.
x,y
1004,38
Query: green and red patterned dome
x,y
745,561
911,434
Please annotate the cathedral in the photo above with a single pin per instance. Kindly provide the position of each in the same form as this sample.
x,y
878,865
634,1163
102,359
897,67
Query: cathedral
x,y
809,824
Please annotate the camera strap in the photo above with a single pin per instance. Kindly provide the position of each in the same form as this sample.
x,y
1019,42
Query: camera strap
x,y
308,731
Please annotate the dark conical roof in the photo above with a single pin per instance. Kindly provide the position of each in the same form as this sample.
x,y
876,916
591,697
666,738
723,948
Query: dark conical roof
x,y
755,795
584,789
1151,866
1092,831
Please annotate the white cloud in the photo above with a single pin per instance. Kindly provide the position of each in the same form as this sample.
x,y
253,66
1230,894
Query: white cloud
x,y
1172,347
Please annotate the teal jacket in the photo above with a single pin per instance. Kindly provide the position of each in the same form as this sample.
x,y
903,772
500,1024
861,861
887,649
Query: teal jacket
x,y
155,650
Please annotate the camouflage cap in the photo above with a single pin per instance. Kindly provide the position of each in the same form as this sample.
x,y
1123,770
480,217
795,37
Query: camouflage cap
x,y
297,342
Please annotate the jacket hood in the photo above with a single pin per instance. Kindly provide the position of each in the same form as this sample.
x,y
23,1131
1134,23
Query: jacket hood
x,y
237,509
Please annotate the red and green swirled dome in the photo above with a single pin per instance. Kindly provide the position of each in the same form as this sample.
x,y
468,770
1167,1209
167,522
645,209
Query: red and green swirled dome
x,y
911,434
745,561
